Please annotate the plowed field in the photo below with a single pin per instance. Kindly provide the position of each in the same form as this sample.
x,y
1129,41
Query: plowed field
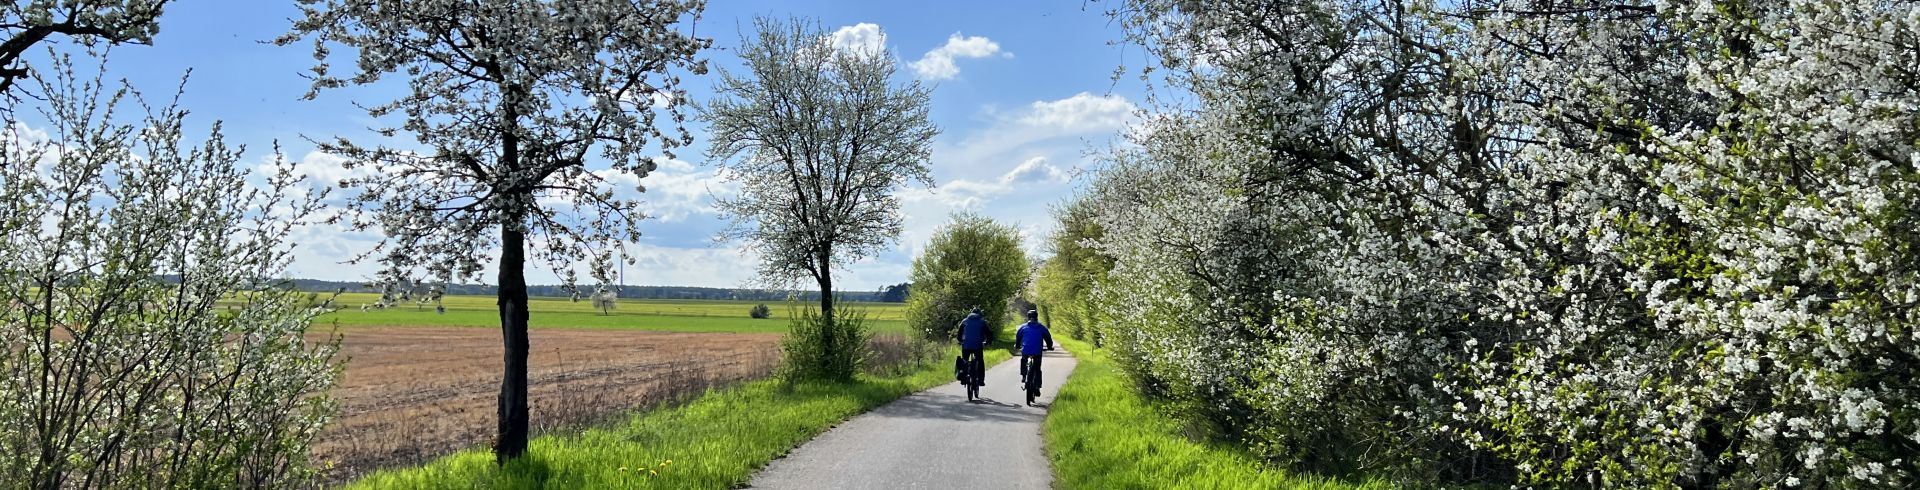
x,y
414,393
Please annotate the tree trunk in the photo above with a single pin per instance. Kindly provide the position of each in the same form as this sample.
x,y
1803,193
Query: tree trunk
x,y
827,342
511,439
826,312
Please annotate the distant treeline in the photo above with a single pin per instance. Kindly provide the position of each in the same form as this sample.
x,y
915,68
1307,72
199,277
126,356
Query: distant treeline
x,y
890,294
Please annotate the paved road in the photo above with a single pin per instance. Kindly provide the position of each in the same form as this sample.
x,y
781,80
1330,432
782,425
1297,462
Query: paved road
x,y
934,439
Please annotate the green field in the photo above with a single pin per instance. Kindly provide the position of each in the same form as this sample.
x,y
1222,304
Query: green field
x,y
636,314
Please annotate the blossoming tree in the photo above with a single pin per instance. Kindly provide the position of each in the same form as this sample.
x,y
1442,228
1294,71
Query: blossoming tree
x,y
819,138
527,114
1612,242
25,25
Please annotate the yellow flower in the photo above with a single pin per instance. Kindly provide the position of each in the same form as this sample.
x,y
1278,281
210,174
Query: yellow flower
x,y
654,473
623,468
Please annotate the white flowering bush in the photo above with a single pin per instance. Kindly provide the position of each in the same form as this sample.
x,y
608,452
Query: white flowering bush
x,y
143,340
1613,243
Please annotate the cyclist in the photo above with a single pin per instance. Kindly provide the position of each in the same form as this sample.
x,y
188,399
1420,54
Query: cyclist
x,y
1030,338
972,334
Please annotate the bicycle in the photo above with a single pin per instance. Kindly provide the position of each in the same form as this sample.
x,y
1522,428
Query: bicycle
x,y
1030,377
971,376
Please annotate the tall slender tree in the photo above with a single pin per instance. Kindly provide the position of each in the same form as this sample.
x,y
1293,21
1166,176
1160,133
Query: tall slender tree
x,y
509,99
819,137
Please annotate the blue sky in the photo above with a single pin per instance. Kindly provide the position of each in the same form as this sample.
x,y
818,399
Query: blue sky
x,y
1027,93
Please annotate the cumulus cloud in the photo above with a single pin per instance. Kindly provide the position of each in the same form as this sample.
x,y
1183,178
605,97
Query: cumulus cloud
x,y
860,38
325,169
1080,113
938,63
1054,128
1034,170
679,190
660,100
674,192
20,140
970,194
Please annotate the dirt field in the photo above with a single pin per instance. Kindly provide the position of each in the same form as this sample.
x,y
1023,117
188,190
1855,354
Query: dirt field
x,y
414,393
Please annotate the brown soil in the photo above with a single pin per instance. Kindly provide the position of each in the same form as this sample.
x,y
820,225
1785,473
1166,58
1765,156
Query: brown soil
x,y
414,393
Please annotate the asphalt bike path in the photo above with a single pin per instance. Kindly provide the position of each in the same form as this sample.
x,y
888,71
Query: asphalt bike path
x,y
934,439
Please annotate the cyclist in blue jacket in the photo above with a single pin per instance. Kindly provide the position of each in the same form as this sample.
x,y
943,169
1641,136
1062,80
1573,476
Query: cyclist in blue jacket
x,y
973,342
1030,338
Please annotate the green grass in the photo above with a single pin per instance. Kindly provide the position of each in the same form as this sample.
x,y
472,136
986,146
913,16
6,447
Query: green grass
x,y
629,314
1102,434
716,441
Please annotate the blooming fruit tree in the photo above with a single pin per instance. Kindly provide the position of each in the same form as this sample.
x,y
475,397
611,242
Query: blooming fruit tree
x,y
527,116
1618,243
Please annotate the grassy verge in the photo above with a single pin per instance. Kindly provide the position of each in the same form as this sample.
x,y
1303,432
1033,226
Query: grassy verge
x,y
1101,434
715,441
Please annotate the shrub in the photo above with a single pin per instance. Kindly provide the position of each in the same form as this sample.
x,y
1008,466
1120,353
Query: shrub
x,y
1638,256
760,311
801,357
896,354
110,378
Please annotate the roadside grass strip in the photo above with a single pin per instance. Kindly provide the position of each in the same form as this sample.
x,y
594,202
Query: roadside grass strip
x,y
1101,434
715,441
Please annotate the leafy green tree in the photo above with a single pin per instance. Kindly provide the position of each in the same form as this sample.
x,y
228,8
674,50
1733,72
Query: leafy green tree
x,y
1065,282
895,293
972,262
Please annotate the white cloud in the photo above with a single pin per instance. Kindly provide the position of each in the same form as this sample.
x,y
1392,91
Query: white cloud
x,y
324,169
662,99
1034,170
1011,169
1081,112
679,190
1058,129
938,63
860,38
19,140
715,267
964,194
